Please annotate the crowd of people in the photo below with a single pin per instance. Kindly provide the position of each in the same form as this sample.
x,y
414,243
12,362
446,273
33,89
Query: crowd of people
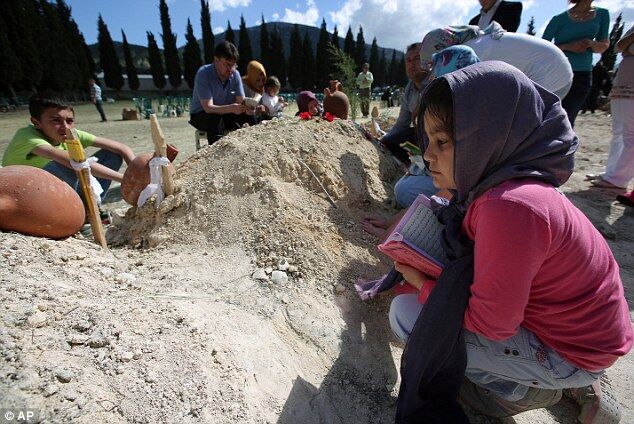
x,y
507,327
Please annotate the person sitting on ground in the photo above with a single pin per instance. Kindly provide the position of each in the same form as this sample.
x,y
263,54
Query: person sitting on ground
x,y
418,180
540,60
217,100
270,100
531,289
307,102
42,145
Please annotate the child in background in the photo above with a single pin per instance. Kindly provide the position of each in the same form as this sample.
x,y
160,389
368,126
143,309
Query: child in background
x,y
273,103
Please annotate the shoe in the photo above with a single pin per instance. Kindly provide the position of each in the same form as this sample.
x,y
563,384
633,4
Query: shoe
x,y
105,216
485,402
597,402
591,177
602,183
627,199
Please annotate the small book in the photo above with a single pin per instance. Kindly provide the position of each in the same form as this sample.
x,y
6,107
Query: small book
x,y
416,239
413,149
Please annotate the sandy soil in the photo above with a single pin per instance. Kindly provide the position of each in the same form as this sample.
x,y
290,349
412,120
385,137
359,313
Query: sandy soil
x,y
184,319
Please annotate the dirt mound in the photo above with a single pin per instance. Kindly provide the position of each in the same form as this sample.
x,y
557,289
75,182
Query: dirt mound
x,y
268,187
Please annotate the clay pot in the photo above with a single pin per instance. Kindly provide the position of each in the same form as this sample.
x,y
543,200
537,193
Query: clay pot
x,y
335,101
137,176
37,203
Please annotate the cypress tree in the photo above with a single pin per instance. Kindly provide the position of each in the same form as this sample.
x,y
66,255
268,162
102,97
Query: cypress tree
x,y
392,73
208,35
172,61
20,28
295,58
229,35
379,74
322,67
191,56
531,26
156,62
334,40
10,70
75,40
53,44
359,51
374,57
108,57
244,48
402,73
348,43
265,46
278,60
609,56
308,64
130,70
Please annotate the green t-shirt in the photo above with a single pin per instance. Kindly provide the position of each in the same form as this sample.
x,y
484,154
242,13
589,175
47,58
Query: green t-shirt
x,y
564,30
19,151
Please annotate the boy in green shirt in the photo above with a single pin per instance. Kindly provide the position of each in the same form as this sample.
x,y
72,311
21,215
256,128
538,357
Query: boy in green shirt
x,y
42,144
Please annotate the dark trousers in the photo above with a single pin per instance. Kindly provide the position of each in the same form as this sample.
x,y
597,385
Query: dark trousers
x,y
215,125
576,97
99,106
364,97
394,139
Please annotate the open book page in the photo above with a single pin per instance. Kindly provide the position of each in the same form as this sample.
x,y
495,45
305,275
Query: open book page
x,y
416,240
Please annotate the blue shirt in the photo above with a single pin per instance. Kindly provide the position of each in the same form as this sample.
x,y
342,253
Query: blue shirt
x,y
564,30
207,85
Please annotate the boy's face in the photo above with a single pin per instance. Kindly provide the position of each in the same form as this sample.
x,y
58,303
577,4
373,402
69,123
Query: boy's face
x,y
54,123
273,91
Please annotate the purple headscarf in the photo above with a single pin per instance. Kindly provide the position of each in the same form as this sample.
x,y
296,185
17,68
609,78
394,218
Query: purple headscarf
x,y
506,126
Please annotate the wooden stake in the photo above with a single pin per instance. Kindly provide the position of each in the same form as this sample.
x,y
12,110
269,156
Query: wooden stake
x,y
160,148
76,153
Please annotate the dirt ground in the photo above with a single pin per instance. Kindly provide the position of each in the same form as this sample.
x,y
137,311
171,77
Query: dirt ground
x,y
234,301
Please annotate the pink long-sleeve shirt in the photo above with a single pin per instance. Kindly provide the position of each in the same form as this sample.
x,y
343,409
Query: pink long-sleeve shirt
x,y
541,264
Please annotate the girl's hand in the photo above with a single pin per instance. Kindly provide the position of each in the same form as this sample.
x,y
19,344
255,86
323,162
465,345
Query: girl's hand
x,y
413,276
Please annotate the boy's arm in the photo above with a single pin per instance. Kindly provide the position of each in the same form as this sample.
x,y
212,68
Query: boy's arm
x,y
61,157
115,147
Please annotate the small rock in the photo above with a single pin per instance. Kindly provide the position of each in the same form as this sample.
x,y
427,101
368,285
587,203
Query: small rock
x,y
137,355
125,278
70,395
120,369
37,320
283,264
78,339
50,390
268,270
279,277
292,269
150,379
340,288
42,307
81,401
106,271
127,356
82,326
260,274
97,341
64,376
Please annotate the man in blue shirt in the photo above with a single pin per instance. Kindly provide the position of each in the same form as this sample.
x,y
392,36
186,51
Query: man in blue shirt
x,y
217,101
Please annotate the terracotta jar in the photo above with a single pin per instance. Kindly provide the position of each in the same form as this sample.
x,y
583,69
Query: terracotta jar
x,y
137,176
335,101
37,203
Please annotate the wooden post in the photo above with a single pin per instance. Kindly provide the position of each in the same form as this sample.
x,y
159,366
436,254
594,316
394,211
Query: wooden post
x,y
76,153
160,148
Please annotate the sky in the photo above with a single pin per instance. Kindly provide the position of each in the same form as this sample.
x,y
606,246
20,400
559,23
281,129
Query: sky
x,y
395,23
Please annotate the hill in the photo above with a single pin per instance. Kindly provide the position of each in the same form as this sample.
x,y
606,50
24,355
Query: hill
x,y
139,53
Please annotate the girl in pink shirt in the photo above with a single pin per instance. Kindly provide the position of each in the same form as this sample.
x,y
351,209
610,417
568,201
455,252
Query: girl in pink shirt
x,y
544,308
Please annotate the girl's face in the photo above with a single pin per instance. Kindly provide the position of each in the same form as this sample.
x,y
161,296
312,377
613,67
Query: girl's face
x,y
439,152
273,91
313,107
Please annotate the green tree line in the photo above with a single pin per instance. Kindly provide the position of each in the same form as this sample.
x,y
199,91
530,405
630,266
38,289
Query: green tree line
x,y
35,34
